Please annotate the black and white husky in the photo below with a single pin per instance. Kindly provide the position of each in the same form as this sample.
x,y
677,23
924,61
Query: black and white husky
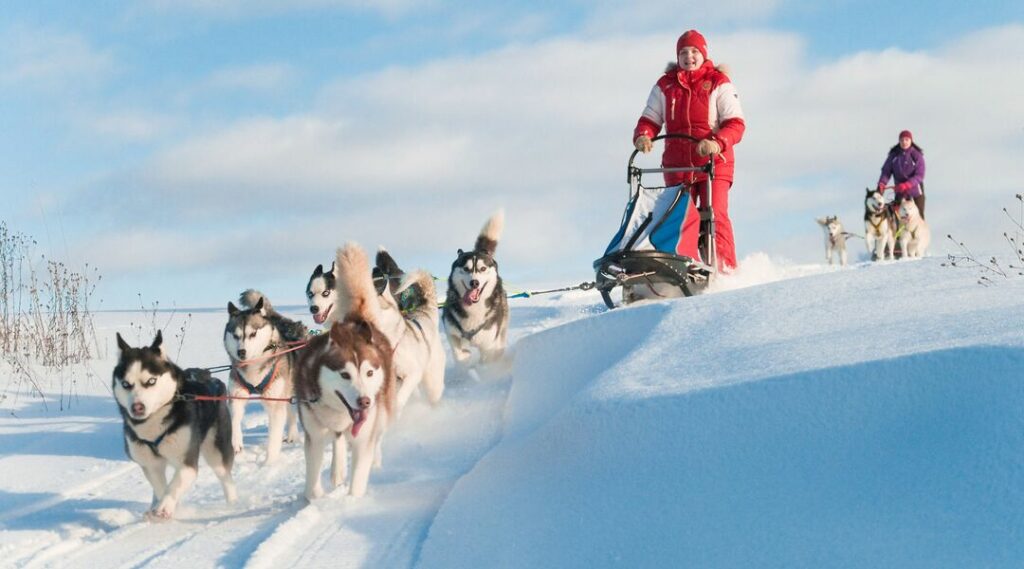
x,y
255,339
321,294
475,308
879,226
408,319
165,426
346,383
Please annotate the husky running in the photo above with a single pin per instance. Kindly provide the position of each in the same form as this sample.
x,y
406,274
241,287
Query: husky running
x,y
164,424
879,230
914,233
253,338
835,238
346,383
475,309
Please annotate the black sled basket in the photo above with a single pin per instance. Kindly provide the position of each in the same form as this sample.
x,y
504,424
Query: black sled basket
x,y
660,273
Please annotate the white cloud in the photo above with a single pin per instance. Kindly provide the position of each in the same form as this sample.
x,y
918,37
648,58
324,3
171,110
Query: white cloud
x,y
128,125
675,16
41,58
243,8
258,78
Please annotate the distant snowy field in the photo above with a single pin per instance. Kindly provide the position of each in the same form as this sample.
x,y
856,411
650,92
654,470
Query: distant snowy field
x,y
795,417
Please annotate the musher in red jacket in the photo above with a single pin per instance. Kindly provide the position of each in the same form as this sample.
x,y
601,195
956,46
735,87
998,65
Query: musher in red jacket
x,y
695,98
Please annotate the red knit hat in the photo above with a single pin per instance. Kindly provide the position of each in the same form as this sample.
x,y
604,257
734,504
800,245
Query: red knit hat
x,y
692,38
907,134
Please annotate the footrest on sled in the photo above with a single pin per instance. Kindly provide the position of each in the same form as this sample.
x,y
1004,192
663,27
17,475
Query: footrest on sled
x,y
630,268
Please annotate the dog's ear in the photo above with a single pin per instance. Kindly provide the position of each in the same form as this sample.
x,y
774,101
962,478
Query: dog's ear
x,y
121,344
868,191
332,268
337,333
318,271
831,219
364,330
232,309
158,342
259,307
458,253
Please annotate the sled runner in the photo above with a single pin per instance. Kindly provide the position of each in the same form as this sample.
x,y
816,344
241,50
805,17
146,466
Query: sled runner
x,y
645,255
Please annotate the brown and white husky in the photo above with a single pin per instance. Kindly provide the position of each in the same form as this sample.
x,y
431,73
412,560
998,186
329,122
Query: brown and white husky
x,y
346,383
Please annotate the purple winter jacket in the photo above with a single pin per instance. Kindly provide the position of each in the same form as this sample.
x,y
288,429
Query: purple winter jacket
x,y
904,166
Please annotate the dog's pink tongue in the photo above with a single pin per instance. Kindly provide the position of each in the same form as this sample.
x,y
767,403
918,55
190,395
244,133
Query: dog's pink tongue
x,y
359,417
319,317
472,296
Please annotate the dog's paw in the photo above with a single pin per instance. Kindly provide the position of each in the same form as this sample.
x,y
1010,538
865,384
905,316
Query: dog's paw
x,y
160,514
314,492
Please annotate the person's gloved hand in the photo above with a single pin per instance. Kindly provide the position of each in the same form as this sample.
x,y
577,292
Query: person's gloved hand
x,y
881,186
708,147
903,188
643,143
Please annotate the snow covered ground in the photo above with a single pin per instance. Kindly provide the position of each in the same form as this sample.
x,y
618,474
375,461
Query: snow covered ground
x,y
796,417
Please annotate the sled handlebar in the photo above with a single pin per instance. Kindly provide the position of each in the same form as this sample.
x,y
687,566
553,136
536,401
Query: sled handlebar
x,y
632,171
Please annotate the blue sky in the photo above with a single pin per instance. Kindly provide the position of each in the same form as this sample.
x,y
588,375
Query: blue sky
x,y
192,149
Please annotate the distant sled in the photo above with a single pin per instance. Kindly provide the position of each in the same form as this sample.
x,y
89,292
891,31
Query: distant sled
x,y
644,257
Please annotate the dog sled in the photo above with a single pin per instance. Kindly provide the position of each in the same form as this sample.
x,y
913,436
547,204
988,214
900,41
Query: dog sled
x,y
644,257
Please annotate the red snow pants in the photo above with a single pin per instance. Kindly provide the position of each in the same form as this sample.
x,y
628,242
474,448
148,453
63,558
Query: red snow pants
x,y
724,243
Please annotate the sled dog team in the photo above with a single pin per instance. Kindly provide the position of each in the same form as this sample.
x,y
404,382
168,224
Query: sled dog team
x,y
883,229
346,386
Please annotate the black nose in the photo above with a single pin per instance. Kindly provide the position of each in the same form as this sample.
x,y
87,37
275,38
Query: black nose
x,y
474,283
314,309
363,402
241,353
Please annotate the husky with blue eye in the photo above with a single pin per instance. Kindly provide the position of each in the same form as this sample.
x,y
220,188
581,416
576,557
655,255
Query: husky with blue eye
x,y
165,425
346,383
475,308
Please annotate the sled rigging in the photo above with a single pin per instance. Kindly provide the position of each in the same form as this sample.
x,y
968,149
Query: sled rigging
x,y
643,257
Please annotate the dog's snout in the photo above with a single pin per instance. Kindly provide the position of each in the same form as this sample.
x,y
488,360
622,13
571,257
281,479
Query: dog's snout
x,y
474,283
314,309
363,402
241,353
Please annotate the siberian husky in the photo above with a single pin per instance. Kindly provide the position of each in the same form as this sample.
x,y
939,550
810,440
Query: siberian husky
x,y
164,425
321,293
914,233
408,318
475,309
835,238
322,288
879,230
346,383
253,337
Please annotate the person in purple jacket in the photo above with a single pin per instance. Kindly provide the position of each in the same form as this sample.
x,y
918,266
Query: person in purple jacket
x,y
905,165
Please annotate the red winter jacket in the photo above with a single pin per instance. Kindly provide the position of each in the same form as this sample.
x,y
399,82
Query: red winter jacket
x,y
703,104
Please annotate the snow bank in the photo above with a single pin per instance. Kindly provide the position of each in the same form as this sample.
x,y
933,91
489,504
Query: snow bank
x,y
866,417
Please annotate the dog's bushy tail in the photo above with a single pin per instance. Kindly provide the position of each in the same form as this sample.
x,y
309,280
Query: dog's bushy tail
x,y
356,294
487,241
250,297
